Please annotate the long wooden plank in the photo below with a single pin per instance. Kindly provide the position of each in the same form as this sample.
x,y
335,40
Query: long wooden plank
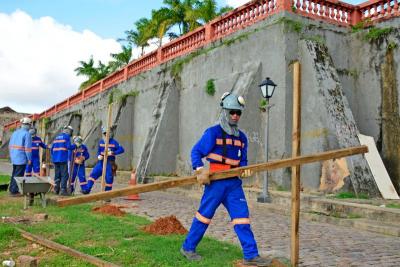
x,y
188,180
67,250
295,218
106,144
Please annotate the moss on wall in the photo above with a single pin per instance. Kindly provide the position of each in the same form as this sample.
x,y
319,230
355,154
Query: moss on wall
x,y
390,119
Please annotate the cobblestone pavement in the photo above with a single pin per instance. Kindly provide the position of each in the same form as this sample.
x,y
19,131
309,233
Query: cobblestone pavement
x,y
320,244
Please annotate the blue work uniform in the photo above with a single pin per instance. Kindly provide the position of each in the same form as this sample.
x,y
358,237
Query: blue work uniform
x,y
97,171
20,148
35,163
59,154
223,151
79,168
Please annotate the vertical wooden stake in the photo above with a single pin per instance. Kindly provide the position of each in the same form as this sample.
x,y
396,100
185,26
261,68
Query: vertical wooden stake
x,y
296,169
106,142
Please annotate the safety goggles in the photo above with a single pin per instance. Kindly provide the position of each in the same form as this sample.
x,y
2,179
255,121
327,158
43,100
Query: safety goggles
x,y
235,111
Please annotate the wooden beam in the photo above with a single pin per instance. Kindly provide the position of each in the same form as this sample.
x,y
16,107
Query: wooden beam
x,y
296,129
67,250
188,180
106,144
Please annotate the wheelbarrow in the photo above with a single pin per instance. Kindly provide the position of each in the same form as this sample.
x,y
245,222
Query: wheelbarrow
x,y
33,185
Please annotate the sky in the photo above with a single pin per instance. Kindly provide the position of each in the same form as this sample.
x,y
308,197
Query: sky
x,y
42,42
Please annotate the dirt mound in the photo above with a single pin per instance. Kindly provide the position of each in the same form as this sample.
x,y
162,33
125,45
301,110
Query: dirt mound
x,y
166,226
109,210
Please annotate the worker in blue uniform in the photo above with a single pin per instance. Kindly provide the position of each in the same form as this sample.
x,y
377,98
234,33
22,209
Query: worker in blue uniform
x,y
114,148
78,156
59,154
34,167
20,148
224,146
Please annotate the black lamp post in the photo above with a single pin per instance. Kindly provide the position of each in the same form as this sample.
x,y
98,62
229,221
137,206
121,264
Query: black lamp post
x,y
267,88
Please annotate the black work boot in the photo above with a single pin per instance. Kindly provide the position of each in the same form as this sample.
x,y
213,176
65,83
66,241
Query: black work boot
x,y
190,255
258,261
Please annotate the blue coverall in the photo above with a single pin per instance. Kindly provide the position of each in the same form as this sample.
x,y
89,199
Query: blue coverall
x,y
20,147
78,169
97,171
223,151
35,163
59,155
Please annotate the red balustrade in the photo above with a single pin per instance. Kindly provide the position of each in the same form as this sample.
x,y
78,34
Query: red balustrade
x,y
379,10
184,44
331,11
142,64
243,16
113,79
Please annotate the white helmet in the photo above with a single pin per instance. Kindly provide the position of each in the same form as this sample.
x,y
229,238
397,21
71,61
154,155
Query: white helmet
x,y
103,129
232,101
26,120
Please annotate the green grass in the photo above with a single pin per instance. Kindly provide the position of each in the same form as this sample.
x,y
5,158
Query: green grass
x,y
115,239
344,195
4,178
393,205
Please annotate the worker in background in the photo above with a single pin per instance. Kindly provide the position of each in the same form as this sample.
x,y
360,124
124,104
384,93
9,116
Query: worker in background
x,y
35,163
59,154
78,156
114,148
20,148
225,147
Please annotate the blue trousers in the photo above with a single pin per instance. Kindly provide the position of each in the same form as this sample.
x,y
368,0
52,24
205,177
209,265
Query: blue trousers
x,y
78,170
230,193
18,171
34,166
61,176
97,172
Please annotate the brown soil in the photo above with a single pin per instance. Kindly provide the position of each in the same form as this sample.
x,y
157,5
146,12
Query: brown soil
x,y
166,226
109,210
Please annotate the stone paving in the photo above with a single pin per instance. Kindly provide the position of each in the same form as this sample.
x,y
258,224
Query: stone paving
x,y
320,244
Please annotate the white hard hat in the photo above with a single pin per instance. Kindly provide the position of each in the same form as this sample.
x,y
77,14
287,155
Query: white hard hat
x,y
68,127
26,120
103,129
232,101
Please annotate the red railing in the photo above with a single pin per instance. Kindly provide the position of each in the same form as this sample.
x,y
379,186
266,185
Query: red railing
x,y
379,10
332,11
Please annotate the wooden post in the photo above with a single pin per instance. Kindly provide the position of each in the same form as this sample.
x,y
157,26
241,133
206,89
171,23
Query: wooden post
x,y
106,143
296,169
67,250
182,181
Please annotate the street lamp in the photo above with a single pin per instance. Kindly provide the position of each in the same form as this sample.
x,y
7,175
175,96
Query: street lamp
x,y
267,88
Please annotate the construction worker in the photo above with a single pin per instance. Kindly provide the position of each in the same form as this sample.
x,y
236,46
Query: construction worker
x,y
35,164
114,148
59,154
225,147
20,148
78,156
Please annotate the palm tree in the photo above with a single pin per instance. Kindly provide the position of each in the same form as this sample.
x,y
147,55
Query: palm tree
x,y
143,33
86,68
161,22
93,74
120,59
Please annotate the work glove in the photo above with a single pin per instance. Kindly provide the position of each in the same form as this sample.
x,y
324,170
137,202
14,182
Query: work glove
x,y
203,176
247,173
79,160
100,157
109,151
